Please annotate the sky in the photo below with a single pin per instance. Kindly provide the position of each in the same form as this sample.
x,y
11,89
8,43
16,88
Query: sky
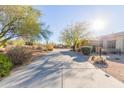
x,y
58,17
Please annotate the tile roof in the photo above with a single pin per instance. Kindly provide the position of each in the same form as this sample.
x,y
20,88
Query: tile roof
x,y
112,35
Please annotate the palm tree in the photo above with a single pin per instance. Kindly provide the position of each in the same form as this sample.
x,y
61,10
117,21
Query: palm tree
x,y
45,33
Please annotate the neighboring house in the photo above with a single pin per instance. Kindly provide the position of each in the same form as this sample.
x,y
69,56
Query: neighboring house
x,y
112,41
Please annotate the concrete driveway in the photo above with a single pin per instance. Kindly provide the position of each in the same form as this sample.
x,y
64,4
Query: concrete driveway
x,y
60,68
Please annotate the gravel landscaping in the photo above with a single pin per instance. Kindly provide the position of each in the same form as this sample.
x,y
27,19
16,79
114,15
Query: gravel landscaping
x,y
115,66
116,69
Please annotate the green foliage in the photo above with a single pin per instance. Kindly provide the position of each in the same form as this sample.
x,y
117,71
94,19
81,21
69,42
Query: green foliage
x,y
86,50
50,47
1,46
22,21
74,33
19,21
5,65
29,43
93,49
83,42
19,55
19,42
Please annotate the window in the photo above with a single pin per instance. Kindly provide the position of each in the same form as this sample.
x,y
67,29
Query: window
x,y
111,44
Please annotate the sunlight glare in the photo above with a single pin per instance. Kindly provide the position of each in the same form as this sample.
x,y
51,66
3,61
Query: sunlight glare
x,y
98,24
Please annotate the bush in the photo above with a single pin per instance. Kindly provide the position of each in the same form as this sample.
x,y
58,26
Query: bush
x,y
49,47
29,43
5,65
19,55
93,49
78,50
98,60
86,50
40,47
18,42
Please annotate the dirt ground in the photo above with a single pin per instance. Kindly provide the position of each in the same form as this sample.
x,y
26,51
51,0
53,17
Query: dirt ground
x,y
116,69
115,66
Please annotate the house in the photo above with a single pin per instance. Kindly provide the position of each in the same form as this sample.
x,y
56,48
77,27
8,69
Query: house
x,y
112,41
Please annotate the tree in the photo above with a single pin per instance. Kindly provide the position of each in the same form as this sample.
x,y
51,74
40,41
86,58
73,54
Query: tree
x,y
72,34
82,42
45,33
18,21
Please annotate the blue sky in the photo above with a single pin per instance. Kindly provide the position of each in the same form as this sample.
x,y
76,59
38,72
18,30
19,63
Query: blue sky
x,y
59,16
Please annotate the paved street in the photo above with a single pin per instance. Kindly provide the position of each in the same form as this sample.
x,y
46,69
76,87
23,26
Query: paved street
x,y
60,68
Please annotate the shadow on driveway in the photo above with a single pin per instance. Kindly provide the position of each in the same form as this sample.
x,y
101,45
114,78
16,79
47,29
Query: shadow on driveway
x,y
76,56
41,73
44,72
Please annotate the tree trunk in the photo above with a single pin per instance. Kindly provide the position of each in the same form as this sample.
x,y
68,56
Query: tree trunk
x,y
74,47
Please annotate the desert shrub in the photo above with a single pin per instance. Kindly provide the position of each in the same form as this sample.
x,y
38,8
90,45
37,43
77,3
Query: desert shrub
x,y
18,42
19,55
86,50
5,65
39,47
29,43
83,43
98,60
93,49
78,50
49,47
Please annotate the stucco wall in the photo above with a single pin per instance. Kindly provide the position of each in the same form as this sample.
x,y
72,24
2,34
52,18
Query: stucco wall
x,y
105,44
120,43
